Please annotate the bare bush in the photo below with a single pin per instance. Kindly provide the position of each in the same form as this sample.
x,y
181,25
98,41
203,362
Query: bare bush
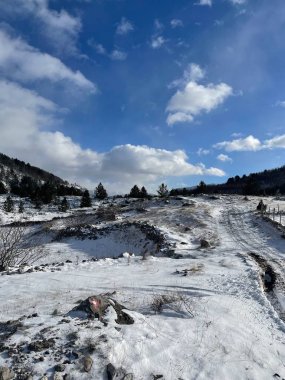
x,y
17,247
177,301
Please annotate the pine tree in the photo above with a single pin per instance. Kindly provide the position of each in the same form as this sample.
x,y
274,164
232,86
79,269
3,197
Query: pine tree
x,y
162,190
100,192
135,192
21,207
202,187
144,193
85,200
64,205
9,204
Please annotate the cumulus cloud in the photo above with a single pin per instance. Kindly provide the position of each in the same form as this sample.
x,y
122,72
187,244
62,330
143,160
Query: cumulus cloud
x,y
176,23
29,116
124,27
118,55
60,28
194,98
157,42
249,143
22,62
224,158
178,117
275,142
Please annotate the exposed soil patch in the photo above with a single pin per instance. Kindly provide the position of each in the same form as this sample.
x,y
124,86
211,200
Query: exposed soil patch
x,y
268,276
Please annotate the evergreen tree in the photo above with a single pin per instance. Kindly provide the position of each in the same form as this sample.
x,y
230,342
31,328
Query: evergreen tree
x,y
85,200
135,192
9,204
144,193
162,190
21,207
202,187
100,192
64,205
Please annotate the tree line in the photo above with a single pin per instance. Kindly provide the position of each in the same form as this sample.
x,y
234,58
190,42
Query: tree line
x,y
47,193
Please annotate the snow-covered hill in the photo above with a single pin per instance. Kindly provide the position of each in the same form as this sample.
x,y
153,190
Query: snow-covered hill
x,y
183,269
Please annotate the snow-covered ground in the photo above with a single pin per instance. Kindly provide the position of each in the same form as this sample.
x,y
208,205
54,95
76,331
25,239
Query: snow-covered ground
x,y
219,322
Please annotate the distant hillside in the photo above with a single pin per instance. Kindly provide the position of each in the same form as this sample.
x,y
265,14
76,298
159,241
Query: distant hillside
x,y
12,168
26,180
268,182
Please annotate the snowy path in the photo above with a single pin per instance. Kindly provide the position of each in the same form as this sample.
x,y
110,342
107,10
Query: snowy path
x,y
254,235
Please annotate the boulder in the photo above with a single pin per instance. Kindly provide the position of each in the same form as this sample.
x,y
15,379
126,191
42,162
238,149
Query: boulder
x,y
87,363
6,373
96,306
204,243
114,373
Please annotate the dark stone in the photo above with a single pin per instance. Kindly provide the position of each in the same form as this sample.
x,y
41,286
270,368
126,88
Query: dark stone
x,y
41,345
59,367
204,243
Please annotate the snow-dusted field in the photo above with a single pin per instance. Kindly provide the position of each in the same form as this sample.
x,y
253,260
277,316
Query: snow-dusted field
x,y
222,324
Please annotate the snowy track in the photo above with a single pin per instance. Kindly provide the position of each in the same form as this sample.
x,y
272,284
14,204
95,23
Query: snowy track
x,y
257,239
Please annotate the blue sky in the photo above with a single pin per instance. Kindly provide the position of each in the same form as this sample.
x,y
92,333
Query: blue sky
x,y
129,91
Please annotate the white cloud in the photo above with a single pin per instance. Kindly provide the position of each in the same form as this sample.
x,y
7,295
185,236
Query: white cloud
x,y
176,23
194,98
23,63
281,103
224,158
193,72
238,2
99,48
236,134
205,2
249,143
178,117
115,55
59,27
275,142
27,115
118,55
158,25
124,27
202,152
157,42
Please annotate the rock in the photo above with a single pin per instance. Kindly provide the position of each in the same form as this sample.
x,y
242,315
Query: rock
x,y
204,243
9,328
6,373
96,306
57,376
87,363
44,377
157,377
59,367
129,376
41,345
114,373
